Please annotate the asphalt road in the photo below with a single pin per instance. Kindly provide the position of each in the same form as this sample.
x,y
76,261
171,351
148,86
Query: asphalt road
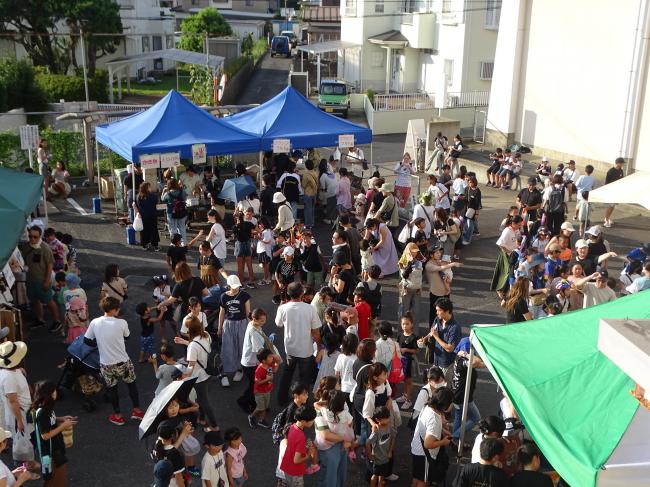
x,y
107,456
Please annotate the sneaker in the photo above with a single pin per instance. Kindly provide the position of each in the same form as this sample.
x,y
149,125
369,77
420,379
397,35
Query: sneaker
x,y
156,249
392,477
465,243
250,285
264,424
225,382
116,419
252,422
407,405
608,224
326,221
38,324
56,326
137,414
194,471
238,376
400,399
477,233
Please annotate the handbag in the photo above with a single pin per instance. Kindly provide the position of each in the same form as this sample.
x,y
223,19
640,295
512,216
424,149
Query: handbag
x,y
396,374
470,213
405,233
138,224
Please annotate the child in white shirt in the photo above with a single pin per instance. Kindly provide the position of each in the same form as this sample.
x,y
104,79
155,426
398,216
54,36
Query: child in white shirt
x,y
367,260
213,465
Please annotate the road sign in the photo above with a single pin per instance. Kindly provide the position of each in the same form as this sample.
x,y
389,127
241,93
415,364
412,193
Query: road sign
x,y
346,140
149,160
170,159
281,146
29,137
199,154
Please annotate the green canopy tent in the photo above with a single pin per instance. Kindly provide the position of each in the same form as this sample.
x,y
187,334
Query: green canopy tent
x,y
19,195
573,400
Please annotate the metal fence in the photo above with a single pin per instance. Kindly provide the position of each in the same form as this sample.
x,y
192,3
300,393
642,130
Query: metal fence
x,y
426,101
468,99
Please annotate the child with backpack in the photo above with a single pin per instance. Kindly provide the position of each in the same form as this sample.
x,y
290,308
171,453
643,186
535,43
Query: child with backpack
x,y
372,287
165,449
381,443
299,397
435,379
377,394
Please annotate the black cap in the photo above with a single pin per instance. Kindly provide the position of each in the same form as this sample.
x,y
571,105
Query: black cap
x,y
603,274
162,473
213,438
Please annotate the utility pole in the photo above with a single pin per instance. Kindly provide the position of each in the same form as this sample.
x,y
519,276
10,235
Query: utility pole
x,y
83,67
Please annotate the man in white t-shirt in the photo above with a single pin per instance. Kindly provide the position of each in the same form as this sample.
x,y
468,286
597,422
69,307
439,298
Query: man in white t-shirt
x,y
301,328
598,292
192,182
355,158
108,333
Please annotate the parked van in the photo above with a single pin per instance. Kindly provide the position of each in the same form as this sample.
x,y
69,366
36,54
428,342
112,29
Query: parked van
x,y
333,97
293,39
280,45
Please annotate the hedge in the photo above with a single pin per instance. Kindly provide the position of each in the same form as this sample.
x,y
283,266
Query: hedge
x,y
71,88
18,88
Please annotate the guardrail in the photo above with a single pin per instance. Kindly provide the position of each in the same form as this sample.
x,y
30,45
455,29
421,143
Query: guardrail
x,y
426,101
468,99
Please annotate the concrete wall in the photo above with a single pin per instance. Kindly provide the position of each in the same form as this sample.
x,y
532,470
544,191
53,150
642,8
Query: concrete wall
x,y
12,123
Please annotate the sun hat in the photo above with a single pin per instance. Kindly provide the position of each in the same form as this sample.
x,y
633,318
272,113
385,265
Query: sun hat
x,y
580,244
288,251
361,198
568,226
387,188
11,354
76,304
72,280
213,438
371,182
233,281
594,231
278,198
463,345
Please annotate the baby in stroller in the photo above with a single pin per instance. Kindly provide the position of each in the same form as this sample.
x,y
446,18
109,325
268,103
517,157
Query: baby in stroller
x,y
81,372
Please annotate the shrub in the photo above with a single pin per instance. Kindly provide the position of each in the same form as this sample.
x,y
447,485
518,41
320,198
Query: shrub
x,y
18,88
71,88
371,96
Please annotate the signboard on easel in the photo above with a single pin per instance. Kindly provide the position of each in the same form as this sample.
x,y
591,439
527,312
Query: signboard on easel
x,y
346,140
29,139
281,146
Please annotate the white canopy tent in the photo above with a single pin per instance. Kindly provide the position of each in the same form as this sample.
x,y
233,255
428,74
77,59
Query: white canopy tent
x,y
632,189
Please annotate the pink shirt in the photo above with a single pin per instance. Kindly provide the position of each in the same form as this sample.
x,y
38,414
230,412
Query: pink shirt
x,y
237,467
343,196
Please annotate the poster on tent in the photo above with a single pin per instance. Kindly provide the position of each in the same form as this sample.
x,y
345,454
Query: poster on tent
x,y
281,146
199,154
170,160
346,140
150,161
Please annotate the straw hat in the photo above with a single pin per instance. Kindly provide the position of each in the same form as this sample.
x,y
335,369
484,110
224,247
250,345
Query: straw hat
x,y
278,198
12,353
387,188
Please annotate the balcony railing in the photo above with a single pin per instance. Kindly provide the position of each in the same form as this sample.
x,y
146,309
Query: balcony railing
x,y
426,101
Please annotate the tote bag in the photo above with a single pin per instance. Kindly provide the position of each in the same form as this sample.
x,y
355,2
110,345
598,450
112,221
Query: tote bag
x,y
396,371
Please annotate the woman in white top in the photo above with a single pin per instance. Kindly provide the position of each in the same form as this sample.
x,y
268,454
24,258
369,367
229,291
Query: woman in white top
x,y
424,209
217,236
430,435
60,186
8,477
198,349
285,214
404,169
251,201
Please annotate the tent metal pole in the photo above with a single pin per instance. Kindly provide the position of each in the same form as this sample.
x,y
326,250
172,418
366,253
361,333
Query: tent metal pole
x,y
463,419
99,176
45,204
110,157
129,209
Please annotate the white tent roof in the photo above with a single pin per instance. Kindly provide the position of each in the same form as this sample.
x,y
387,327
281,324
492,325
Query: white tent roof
x,y
632,189
178,55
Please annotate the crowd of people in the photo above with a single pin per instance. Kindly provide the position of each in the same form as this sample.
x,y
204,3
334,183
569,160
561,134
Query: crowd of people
x,y
344,368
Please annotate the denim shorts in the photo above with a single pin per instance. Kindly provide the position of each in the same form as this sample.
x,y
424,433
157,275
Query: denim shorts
x,y
243,249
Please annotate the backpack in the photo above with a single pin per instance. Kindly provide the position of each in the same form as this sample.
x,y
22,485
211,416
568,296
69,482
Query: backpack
x,y
290,189
279,425
214,365
374,299
413,421
556,200
179,209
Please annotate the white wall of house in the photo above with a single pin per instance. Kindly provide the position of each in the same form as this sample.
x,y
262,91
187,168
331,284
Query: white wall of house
x,y
571,86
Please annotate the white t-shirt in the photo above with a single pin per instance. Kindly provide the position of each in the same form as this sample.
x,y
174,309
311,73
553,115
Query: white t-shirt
x,y
218,241
476,449
161,295
570,175
343,367
298,319
189,182
5,473
253,343
508,239
369,400
429,423
202,318
14,382
213,468
421,211
459,185
110,333
595,295
267,235
243,205
198,353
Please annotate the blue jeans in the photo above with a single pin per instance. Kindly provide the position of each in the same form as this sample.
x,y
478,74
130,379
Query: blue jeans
x,y
309,202
177,225
469,230
473,417
333,466
294,209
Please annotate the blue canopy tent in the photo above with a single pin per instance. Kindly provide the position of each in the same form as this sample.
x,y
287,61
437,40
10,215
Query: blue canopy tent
x,y
289,115
174,124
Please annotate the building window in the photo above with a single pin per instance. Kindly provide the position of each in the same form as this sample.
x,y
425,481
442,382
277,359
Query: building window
x,y
487,67
170,42
145,44
446,6
249,3
351,8
492,14
377,59
449,71
379,6
156,42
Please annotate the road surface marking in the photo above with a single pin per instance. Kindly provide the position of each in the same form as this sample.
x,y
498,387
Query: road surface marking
x,y
76,206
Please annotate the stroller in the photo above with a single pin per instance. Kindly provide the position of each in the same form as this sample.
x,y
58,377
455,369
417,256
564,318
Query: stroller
x,y
81,372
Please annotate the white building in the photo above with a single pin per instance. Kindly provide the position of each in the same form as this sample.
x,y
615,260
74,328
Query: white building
x,y
417,45
571,80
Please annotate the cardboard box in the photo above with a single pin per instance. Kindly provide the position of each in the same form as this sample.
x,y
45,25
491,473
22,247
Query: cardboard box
x,y
107,190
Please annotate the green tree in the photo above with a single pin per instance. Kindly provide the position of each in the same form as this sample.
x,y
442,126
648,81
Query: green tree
x,y
93,16
247,44
18,88
194,29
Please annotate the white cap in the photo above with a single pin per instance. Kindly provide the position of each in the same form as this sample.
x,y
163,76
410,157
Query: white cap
x,y
288,251
581,244
278,198
233,281
595,231
568,226
544,159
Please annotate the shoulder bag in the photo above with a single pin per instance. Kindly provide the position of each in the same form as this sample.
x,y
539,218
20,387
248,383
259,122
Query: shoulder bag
x,y
178,312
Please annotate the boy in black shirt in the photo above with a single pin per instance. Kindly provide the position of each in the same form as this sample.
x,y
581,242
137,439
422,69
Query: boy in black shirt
x,y
484,474
529,459
146,335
